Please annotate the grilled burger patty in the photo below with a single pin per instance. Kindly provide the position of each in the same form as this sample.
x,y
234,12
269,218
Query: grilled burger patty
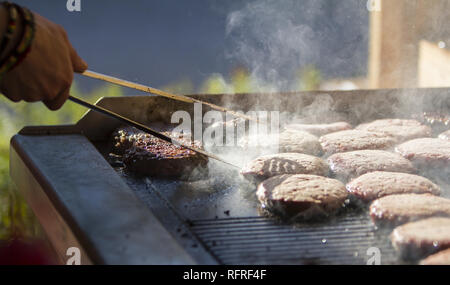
x,y
400,209
445,135
351,140
374,185
401,130
426,152
285,163
302,196
440,258
148,155
418,239
288,141
320,129
300,142
352,164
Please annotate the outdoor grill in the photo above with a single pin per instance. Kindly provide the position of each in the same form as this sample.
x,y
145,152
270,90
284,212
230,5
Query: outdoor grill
x,y
83,199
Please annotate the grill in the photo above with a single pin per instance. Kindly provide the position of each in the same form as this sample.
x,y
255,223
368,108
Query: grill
x,y
263,239
114,217
257,240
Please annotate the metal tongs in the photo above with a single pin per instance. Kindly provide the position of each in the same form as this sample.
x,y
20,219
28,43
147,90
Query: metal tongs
x,y
147,129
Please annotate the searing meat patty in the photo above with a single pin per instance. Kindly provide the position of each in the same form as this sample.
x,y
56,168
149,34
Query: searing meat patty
x,y
426,152
148,155
302,196
445,135
355,140
320,129
285,163
352,164
418,239
374,185
401,130
300,142
440,258
287,141
399,209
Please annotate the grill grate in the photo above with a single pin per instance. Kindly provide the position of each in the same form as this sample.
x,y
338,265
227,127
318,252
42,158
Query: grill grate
x,y
254,239
251,239
259,240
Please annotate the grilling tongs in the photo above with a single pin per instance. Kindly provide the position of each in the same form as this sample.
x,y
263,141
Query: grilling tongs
x,y
147,129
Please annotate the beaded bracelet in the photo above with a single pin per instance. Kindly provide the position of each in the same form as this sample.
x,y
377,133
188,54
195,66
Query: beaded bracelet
x,y
23,48
12,24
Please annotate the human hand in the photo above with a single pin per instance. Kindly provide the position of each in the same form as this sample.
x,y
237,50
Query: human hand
x,y
46,73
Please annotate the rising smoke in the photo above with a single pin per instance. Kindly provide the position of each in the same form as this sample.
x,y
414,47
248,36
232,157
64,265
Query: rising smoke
x,y
275,39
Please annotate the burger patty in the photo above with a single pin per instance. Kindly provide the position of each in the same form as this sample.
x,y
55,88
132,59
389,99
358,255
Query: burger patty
x,y
418,239
147,155
426,152
351,140
353,164
374,185
401,130
300,142
399,209
445,135
320,129
285,163
302,196
286,142
440,258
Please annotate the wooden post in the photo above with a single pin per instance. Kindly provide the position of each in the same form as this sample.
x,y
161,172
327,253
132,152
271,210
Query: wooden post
x,y
396,31
393,49
434,65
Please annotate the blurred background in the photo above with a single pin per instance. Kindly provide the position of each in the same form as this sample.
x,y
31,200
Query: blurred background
x,y
227,46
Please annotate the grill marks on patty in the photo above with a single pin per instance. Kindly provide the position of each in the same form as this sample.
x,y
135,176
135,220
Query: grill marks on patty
x,y
352,140
285,163
302,196
374,185
399,209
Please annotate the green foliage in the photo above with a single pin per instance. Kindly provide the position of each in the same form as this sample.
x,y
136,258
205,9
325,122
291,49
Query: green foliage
x,y
214,84
309,78
14,213
241,81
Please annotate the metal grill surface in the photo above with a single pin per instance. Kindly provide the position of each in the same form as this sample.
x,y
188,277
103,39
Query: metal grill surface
x,y
350,239
219,223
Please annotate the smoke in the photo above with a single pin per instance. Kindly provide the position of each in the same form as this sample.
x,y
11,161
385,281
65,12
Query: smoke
x,y
269,41
275,39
